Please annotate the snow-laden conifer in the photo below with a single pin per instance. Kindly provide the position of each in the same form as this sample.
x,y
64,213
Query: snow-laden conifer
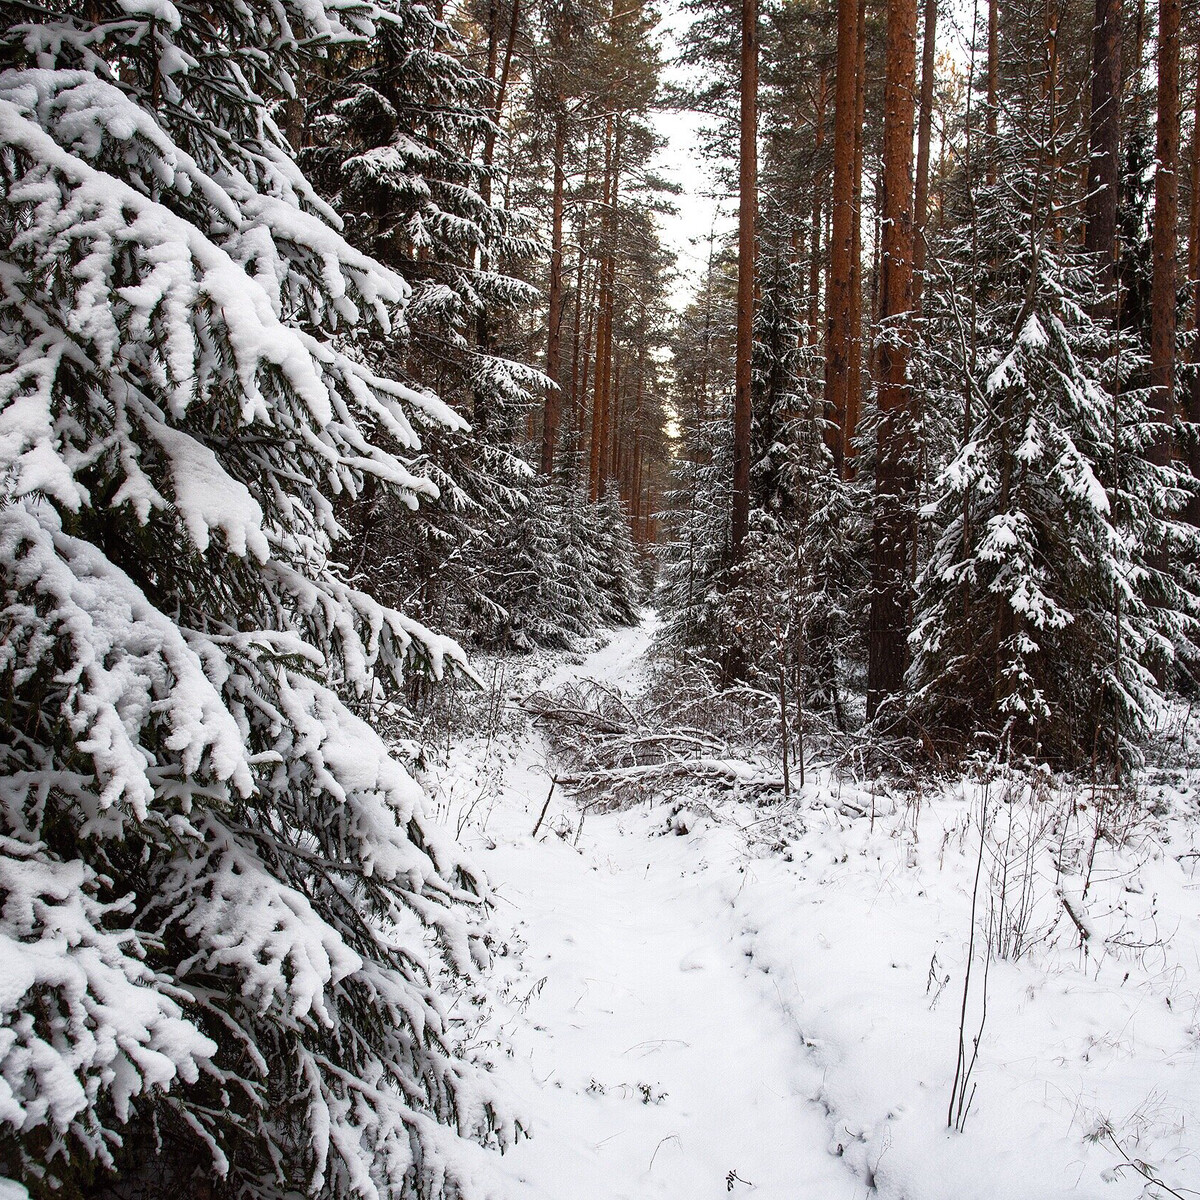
x,y
393,136
226,921
1050,608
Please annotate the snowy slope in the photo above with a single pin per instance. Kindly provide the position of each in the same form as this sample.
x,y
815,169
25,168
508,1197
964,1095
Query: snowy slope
x,y
770,1001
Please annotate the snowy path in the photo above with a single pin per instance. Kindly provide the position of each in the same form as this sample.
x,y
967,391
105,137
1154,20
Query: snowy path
x,y
653,1062
654,1059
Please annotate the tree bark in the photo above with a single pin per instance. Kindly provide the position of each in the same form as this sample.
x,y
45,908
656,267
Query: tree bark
x,y
887,646
582,304
1193,511
747,206
814,264
554,395
489,141
1166,217
1104,137
924,138
993,88
854,385
483,330
600,384
613,419
841,240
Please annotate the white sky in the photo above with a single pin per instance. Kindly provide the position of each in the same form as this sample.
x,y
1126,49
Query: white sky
x,y
686,233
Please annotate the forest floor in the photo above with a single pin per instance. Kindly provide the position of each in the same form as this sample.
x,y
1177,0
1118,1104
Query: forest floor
x,y
737,999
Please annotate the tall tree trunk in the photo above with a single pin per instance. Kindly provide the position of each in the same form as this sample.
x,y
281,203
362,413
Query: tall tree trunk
x,y
1053,10
1104,137
615,419
854,385
1166,217
582,304
924,138
814,264
838,307
604,375
600,382
635,509
747,210
592,305
489,141
632,448
611,363
993,88
1194,284
894,471
1139,45
553,406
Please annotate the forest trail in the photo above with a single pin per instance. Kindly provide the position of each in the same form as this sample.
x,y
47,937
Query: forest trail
x,y
649,1052
742,1001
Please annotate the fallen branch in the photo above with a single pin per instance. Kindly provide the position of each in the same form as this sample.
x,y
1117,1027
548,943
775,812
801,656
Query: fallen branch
x,y
1078,917
542,814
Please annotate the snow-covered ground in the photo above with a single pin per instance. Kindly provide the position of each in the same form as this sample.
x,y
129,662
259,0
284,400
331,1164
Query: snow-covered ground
x,y
745,1000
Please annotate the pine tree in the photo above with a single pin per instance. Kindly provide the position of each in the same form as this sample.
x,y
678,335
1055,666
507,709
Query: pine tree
x,y
895,483
228,920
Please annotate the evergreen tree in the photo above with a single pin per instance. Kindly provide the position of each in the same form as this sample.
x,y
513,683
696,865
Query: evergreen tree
x,y
228,922
694,550
1048,611
395,140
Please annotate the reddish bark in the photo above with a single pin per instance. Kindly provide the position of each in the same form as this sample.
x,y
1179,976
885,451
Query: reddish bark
x,y
924,138
603,341
1194,285
838,306
1166,217
854,387
553,405
747,207
894,485
814,264
993,87
1104,136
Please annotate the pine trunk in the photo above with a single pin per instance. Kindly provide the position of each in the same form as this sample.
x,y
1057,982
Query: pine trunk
x,y
489,141
554,395
747,205
599,395
894,481
483,331
993,88
1104,136
814,265
924,139
854,384
1193,511
1166,215
841,240
580,346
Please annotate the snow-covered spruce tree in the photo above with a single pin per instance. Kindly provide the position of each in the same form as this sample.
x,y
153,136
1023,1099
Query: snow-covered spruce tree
x,y
225,920
1048,609
616,573
523,577
695,521
560,567
393,138
694,552
789,604
761,619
